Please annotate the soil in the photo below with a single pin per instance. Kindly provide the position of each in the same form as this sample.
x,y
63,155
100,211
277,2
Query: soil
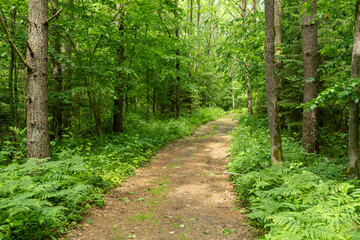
x,y
183,193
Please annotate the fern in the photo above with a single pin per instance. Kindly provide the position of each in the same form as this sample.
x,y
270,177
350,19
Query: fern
x,y
302,198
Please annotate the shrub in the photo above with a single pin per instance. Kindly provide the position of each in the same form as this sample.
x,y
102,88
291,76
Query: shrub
x,y
305,197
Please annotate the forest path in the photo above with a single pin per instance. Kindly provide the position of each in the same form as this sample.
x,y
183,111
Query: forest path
x,y
182,194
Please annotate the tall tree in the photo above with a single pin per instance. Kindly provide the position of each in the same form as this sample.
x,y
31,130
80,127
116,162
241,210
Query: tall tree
x,y
248,83
12,66
353,153
277,38
38,143
272,108
310,120
198,40
119,81
57,75
177,34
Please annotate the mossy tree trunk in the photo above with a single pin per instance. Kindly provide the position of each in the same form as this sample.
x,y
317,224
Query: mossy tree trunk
x,y
271,88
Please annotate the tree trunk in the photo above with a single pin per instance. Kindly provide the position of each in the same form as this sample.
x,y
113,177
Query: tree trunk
x,y
38,144
57,74
353,153
249,98
190,33
198,44
278,40
248,83
119,85
311,63
274,126
177,103
154,101
70,109
12,68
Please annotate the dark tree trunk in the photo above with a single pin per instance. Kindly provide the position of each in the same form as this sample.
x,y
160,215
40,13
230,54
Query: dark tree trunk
x,y
278,40
274,126
249,98
353,154
248,83
38,144
310,121
57,74
154,101
198,44
177,101
68,110
11,69
119,85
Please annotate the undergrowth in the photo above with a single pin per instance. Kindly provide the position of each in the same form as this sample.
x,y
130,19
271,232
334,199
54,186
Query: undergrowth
x,y
305,197
41,199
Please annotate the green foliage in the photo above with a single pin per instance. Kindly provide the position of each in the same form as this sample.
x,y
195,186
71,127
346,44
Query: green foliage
x,y
305,197
40,199
41,194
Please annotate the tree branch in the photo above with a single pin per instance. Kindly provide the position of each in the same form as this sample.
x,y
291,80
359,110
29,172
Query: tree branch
x,y
54,16
102,35
13,45
164,25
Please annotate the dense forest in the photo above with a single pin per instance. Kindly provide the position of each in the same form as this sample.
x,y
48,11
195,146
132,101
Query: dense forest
x,y
90,90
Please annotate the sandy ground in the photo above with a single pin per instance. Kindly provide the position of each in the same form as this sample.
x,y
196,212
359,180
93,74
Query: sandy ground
x,y
182,194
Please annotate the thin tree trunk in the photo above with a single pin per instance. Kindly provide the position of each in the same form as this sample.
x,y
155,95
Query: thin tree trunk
x,y
119,84
154,101
190,33
57,74
12,67
198,44
68,112
249,98
353,153
248,83
16,78
311,63
278,40
177,102
38,143
147,92
274,126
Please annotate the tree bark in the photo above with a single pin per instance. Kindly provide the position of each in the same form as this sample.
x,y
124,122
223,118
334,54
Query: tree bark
x,y
190,33
38,144
12,68
178,79
310,121
278,40
68,110
248,83
154,101
353,152
274,126
119,84
198,44
57,74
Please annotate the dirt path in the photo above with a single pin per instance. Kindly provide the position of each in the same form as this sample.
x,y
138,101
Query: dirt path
x,y
182,194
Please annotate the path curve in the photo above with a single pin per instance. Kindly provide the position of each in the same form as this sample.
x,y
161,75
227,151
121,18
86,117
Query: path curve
x,y
182,194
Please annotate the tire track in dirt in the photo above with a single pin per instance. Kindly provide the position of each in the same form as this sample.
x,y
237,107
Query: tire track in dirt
x,y
182,194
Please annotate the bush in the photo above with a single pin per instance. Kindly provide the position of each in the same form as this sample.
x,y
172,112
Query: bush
x,y
40,199
305,197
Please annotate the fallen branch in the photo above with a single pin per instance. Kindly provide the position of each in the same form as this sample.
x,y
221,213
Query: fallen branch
x,y
231,173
